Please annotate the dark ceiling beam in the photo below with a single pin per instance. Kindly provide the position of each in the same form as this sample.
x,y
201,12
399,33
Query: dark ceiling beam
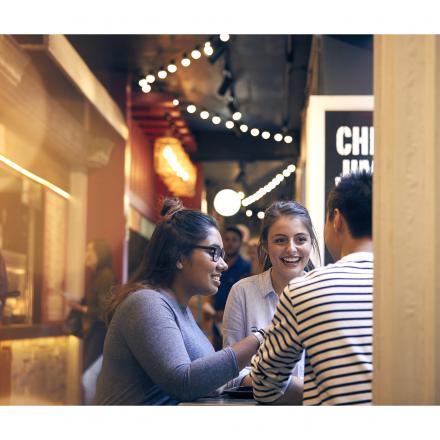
x,y
218,146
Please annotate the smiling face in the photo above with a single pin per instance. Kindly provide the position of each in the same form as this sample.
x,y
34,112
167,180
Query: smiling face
x,y
288,246
197,272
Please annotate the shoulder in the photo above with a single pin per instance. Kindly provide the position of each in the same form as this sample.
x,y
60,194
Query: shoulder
x,y
247,283
144,299
245,263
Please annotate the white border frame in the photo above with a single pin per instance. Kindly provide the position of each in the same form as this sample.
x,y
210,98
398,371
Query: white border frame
x,y
315,151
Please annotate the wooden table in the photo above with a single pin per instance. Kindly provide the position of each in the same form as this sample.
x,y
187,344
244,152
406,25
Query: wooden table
x,y
223,399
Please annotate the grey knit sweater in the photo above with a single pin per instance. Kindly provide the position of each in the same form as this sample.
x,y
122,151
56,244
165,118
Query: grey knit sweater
x,y
155,354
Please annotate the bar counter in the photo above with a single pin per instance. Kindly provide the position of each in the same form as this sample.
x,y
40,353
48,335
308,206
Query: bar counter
x,y
26,331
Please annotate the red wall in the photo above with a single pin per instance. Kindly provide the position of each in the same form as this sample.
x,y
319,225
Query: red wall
x,y
105,206
142,175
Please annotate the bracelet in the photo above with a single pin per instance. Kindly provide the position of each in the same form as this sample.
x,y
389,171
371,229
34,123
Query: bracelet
x,y
259,337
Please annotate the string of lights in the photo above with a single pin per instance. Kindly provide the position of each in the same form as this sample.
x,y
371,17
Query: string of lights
x,y
270,186
210,48
236,119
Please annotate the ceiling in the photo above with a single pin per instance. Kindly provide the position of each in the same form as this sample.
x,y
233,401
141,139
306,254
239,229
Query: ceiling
x,y
269,76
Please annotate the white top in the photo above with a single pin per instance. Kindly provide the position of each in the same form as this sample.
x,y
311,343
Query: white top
x,y
251,304
328,313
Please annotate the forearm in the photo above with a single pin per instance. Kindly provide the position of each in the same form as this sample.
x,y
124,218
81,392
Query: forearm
x,y
245,349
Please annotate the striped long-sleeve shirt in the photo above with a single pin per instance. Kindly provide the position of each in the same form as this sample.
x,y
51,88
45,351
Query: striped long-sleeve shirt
x,y
328,313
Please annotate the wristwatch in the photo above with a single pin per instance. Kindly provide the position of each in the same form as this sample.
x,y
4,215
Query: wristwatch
x,y
259,334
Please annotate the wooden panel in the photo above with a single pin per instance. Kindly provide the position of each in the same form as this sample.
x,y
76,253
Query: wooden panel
x,y
5,374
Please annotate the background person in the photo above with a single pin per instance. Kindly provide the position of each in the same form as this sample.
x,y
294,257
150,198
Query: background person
x,y
328,312
155,353
102,279
286,240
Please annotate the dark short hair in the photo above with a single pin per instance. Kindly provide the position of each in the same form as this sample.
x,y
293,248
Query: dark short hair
x,y
271,215
353,197
235,230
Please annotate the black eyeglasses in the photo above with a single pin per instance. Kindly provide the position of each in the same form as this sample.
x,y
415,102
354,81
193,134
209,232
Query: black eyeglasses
x,y
215,252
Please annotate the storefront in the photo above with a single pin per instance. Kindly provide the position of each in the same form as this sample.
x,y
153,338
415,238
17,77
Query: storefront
x,y
53,132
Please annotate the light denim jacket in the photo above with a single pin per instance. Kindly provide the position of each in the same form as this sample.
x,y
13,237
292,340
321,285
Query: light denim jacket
x,y
251,304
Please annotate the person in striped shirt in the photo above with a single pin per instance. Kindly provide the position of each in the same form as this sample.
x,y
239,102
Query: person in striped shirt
x,y
328,312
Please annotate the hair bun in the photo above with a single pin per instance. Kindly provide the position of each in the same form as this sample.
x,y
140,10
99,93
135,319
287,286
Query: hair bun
x,y
169,207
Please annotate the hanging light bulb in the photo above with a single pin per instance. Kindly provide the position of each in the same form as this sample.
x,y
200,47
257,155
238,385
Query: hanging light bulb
x,y
286,173
191,108
244,128
236,116
216,120
150,77
143,82
288,139
172,68
255,132
291,168
146,88
208,49
162,74
204,114
229,124
265,135
224,37
196,54
175,102
249,213
185,60
278,137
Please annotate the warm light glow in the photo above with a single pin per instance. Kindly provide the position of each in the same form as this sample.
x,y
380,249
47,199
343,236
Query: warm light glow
x,y
146,88
216,120
204,114
265,135
172,68
196,54
260,215
255,132
244,128
241,195
191,108
174,166
236,116
288,139
143,82
34,177
176,102
208,49
224,37
229,124
162,74
291,168
227,202
150,78
249,212
185,61
286,173
278,137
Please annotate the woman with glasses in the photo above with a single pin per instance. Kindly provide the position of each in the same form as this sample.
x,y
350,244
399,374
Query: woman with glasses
x,y
286,241
154,352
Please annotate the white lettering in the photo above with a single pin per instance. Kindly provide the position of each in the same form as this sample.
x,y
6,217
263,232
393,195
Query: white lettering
x,y
342,148
362,141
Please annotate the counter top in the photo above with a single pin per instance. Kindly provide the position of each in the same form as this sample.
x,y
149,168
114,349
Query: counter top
x,y
26,331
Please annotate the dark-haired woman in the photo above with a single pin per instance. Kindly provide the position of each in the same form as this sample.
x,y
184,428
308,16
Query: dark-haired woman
x,y
155,353
286,241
